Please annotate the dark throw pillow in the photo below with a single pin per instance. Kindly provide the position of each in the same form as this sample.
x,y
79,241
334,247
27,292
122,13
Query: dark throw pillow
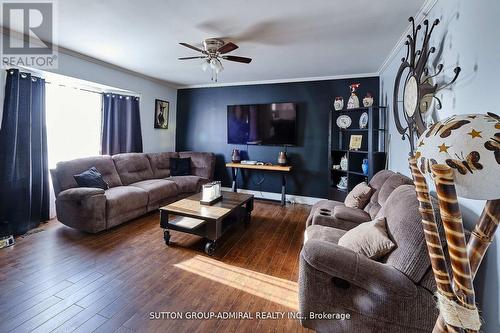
x,y
180,166
91,178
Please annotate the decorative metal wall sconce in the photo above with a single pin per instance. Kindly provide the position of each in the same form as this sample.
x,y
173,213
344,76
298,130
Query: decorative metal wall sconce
x,y
417,85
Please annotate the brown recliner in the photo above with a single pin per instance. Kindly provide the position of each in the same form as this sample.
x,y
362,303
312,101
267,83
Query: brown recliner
x,y
394,294
335,214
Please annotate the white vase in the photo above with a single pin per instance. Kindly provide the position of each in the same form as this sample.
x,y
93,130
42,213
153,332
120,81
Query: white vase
x,y
338,104
353,102
368,101
343,163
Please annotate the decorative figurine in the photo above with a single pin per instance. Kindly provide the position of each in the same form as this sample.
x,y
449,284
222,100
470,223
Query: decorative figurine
x,y
353,102
343,163
368,100
339,103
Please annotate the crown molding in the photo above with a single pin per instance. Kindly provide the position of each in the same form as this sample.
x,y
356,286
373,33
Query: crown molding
x,y
419,18
81,56
299,79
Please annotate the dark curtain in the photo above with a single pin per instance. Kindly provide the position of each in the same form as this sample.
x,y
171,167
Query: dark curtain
x,y
121,126
24,185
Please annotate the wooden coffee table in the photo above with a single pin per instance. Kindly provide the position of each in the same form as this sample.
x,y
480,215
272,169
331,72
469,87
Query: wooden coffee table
x,y
209,222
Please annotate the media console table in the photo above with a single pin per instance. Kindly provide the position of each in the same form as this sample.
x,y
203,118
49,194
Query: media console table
x,y
273,168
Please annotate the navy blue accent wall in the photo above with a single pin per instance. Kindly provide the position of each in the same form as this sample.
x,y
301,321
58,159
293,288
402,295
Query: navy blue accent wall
x,y
201,126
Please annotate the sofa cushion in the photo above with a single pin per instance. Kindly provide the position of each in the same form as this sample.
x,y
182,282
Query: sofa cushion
x,y
319,232
188,184
158,189
376,183
66,170
122,199
359,196
160,163
369,239
202,164
133,167
91,178
180,166
404,227
390,185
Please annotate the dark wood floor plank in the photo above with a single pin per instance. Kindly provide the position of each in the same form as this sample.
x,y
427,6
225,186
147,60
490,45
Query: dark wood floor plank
x,y
26,314
69,281
90,325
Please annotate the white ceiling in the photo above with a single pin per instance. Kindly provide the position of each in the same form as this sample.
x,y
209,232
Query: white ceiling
x,y
287,39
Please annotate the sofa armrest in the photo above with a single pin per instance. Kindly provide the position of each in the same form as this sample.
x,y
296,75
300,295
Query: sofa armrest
x,y
79,193
351,214
357,269
82,208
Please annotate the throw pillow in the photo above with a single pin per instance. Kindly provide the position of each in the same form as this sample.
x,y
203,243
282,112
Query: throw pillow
x,y
180,166
359,196
91,178
369,239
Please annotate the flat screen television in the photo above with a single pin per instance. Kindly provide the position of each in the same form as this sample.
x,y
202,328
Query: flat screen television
x,y
262,124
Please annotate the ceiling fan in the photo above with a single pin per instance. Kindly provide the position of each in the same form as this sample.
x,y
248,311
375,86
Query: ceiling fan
x,y
214,50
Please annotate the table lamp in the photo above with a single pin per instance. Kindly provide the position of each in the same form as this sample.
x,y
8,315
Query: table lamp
x,y
461,155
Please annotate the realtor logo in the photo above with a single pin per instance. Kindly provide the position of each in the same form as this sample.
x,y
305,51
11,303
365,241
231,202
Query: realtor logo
x,y
29,34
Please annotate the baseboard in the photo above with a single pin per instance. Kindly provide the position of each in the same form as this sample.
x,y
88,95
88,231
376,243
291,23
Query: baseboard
x,y
298,199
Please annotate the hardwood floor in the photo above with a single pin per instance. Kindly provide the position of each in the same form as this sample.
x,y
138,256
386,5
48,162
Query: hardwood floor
x,y
63,280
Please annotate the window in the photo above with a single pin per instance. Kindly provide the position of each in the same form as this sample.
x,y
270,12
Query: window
x,y
73,123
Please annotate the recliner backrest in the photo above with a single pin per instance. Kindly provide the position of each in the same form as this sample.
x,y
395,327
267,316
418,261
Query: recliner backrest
x,y
160,163
404,227
65,171
132,167
383,182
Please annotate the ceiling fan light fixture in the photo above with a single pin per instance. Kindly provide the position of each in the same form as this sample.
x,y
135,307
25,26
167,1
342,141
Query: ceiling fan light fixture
x,y
205,64
216,65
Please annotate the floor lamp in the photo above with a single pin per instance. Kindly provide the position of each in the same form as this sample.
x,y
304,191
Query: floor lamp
x,y
461,155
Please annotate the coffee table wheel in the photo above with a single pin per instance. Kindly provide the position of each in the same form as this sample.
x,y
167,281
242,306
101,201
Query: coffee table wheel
x,y
166,237
210,248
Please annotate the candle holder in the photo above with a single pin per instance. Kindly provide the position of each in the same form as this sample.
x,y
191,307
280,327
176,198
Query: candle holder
x,y
211,193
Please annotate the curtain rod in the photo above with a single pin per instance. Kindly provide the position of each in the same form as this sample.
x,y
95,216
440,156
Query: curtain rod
x,y
104,91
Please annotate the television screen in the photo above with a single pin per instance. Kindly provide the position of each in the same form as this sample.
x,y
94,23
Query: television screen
x,y
262,124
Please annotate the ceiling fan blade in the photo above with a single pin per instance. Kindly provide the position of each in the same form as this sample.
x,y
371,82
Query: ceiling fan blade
x,y
187,58
226,48
238,59
193,48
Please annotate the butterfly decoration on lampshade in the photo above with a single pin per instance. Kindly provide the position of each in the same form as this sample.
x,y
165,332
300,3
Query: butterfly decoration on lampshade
x,y
470,145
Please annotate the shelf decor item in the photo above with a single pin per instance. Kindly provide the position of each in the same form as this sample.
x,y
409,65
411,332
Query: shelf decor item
x,y
461,155
211,193
342,183
282,158
338,104
364,166
353,102
363,120
343,163
235,156
368,100
415,82
344,121
355,142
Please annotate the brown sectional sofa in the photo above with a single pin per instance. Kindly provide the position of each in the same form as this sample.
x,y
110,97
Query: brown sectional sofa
x,y
138,183
391,295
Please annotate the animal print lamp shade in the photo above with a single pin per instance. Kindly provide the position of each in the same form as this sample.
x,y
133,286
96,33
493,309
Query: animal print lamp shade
x,y
470,145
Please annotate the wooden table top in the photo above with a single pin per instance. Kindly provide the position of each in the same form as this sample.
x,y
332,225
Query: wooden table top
x,y
191,206
274,167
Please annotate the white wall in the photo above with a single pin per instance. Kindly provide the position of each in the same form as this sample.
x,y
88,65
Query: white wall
x,y
154,140
468,36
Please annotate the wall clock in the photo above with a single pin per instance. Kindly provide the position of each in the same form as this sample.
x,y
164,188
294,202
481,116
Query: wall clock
x,y
414,87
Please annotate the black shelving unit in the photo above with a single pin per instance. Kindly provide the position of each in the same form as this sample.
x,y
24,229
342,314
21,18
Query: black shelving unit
x,y
373,148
